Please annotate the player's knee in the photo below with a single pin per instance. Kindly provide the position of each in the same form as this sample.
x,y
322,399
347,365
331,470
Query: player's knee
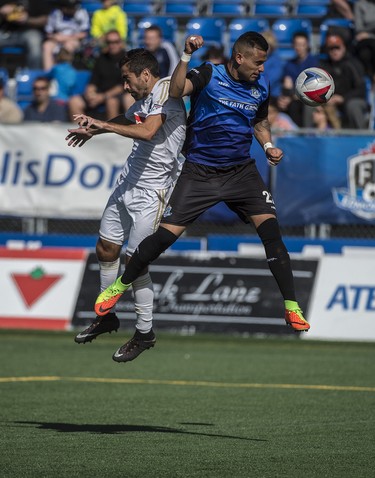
x,y
107,251
269,231
154,245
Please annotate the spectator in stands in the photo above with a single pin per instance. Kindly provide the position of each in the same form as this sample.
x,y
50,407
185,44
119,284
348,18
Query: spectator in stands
x,y
103,96
364,20
163,51
22,24
348,107
63,76
110,17
287,101
321,119
341,9
10,112
279,120
43,108
274,66
215,54
67,27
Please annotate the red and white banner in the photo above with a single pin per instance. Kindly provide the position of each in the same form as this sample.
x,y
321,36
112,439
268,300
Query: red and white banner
x,y
39,288
40,176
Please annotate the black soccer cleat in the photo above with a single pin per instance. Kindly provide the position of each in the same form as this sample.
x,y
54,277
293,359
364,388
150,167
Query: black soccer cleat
x,y
135,346
101,325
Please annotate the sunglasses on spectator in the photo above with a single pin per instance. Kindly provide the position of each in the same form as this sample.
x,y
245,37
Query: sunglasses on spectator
x,y
109,42
335,47
36,88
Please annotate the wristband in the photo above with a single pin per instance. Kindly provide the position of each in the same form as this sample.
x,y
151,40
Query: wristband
x,y
185,57
267,145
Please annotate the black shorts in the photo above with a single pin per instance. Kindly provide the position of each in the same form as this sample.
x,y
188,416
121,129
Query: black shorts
x,y
200,187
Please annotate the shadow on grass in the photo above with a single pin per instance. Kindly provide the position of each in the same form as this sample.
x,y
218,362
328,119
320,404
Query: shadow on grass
x,y
114,429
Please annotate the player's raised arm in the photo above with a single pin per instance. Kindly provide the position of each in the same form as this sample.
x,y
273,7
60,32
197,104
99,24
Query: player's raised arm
x,y
180,86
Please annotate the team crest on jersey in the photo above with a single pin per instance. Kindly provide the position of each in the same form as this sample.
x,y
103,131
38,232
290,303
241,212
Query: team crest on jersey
x,y
138,118
255,93
168,211
359,197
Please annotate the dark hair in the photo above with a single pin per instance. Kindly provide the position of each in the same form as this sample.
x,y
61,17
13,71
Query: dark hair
x,y
154,28
138,59
252,40
301,34
42,78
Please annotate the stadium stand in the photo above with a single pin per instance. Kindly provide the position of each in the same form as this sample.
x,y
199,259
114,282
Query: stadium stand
x,y
271,8
228,8
139,7
24,85
167,24
311,8
180,8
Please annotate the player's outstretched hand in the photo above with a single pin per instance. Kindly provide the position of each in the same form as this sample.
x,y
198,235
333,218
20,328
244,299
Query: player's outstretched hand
x,y
78,137
88,122
274,156
192,43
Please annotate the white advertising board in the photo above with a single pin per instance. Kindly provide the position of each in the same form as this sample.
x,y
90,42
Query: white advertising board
x,y
343,301
39,288
41,176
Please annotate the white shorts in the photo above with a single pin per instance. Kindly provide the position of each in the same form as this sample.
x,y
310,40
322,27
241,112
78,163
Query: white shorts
x,y
132,214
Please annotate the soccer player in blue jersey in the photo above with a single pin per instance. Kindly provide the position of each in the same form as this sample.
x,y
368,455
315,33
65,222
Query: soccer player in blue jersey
x,y
229,106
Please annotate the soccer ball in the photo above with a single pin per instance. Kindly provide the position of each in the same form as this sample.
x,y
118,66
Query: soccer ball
x,y
314,86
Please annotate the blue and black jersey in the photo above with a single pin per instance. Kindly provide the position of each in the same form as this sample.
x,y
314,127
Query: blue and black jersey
x,y
222,116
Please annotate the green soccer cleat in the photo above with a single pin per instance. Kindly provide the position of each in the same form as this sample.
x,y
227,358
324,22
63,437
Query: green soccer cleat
x,y
109,297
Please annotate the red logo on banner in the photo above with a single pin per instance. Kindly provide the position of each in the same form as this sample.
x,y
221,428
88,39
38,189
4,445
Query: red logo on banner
x,y
33,286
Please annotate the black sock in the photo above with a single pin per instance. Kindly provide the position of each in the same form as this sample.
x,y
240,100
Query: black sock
x,y
277,257
147,251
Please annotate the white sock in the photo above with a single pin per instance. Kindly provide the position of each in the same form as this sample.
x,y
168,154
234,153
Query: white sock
x,y
143,302
109,272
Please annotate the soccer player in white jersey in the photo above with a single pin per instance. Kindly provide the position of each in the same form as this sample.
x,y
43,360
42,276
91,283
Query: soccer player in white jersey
x,y
157,125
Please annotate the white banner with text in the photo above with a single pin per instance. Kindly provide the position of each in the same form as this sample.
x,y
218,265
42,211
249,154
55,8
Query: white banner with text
x,y
41,176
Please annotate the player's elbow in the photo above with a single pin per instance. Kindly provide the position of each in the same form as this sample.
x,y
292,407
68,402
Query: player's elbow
x,y
148,134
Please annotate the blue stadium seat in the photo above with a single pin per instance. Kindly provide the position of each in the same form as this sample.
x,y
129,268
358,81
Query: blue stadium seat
x,y
241,25
167,24
271,8
4,75
211,29
311,8
91,6
139,7
335,23
228,7
180,8
24,85
284,29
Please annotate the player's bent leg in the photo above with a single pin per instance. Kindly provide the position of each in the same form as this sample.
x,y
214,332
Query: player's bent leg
x,y
148,250
279,263
108,258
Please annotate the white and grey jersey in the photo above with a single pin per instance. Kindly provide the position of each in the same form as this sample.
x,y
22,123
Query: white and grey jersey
x,y
155,163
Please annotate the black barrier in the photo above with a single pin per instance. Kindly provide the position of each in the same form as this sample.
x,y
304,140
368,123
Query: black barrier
x,y
206,293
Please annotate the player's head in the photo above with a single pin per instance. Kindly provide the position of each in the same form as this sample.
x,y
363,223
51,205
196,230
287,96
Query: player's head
x,y
139,71
152,37
248,56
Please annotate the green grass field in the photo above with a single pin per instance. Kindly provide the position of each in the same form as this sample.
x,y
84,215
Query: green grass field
x,y
201,406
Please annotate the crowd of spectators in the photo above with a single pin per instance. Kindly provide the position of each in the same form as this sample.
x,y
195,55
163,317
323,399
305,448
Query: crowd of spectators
x,y
59,37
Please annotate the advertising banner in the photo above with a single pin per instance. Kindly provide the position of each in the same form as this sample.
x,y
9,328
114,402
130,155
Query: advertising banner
x,y
217,293
343,303
40,176
326,180
39,287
